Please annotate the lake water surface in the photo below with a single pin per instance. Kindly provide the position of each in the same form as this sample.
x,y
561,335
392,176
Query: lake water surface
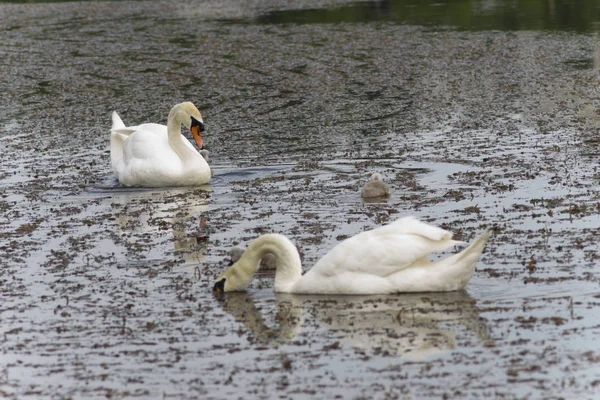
x,y
477,113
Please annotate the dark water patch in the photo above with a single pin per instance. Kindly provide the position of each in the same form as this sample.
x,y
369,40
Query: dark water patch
x,y
224,175
183,42
574,15
585,63
111,185
288,104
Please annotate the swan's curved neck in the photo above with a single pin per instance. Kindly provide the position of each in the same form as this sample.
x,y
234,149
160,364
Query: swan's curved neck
x,y
176,119
289,267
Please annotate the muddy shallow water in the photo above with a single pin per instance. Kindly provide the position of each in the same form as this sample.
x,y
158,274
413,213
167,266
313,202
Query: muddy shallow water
x,y
105,291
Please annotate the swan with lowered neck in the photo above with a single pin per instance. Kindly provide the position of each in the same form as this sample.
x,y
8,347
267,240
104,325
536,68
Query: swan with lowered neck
x,y
157,155
389,259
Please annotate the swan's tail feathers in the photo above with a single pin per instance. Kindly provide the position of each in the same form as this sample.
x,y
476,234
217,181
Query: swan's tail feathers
x,y
116,151
464,262
476,248
119,127
117,122
123,131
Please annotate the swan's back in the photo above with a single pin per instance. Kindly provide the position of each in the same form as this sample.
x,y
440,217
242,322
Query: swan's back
x,y
145,142
392,259
385,250
131,146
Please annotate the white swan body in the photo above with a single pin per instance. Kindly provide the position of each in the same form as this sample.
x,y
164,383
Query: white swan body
x,y
389,259
157,155
375,187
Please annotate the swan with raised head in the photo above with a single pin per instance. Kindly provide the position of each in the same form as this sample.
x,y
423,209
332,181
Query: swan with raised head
x,y
157,155
375,187
389,259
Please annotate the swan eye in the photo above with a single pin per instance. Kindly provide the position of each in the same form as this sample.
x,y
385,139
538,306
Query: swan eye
x,y
197,123
220,286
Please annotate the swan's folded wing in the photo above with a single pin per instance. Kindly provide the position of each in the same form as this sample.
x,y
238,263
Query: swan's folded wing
x,y
411,225
151,128
144,142
383,251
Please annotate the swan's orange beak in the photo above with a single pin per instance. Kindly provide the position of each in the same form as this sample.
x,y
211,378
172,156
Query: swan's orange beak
x,y
197,128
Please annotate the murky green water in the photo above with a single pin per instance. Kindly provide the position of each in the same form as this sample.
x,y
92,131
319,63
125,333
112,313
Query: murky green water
x,y
475,113
579,16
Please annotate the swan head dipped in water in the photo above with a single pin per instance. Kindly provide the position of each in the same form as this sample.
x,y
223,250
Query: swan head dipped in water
x,y
236,278
275,248
390,259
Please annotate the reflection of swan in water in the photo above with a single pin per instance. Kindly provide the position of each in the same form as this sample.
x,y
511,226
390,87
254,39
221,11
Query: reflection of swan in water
x,y
413,326
148,216
288,317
